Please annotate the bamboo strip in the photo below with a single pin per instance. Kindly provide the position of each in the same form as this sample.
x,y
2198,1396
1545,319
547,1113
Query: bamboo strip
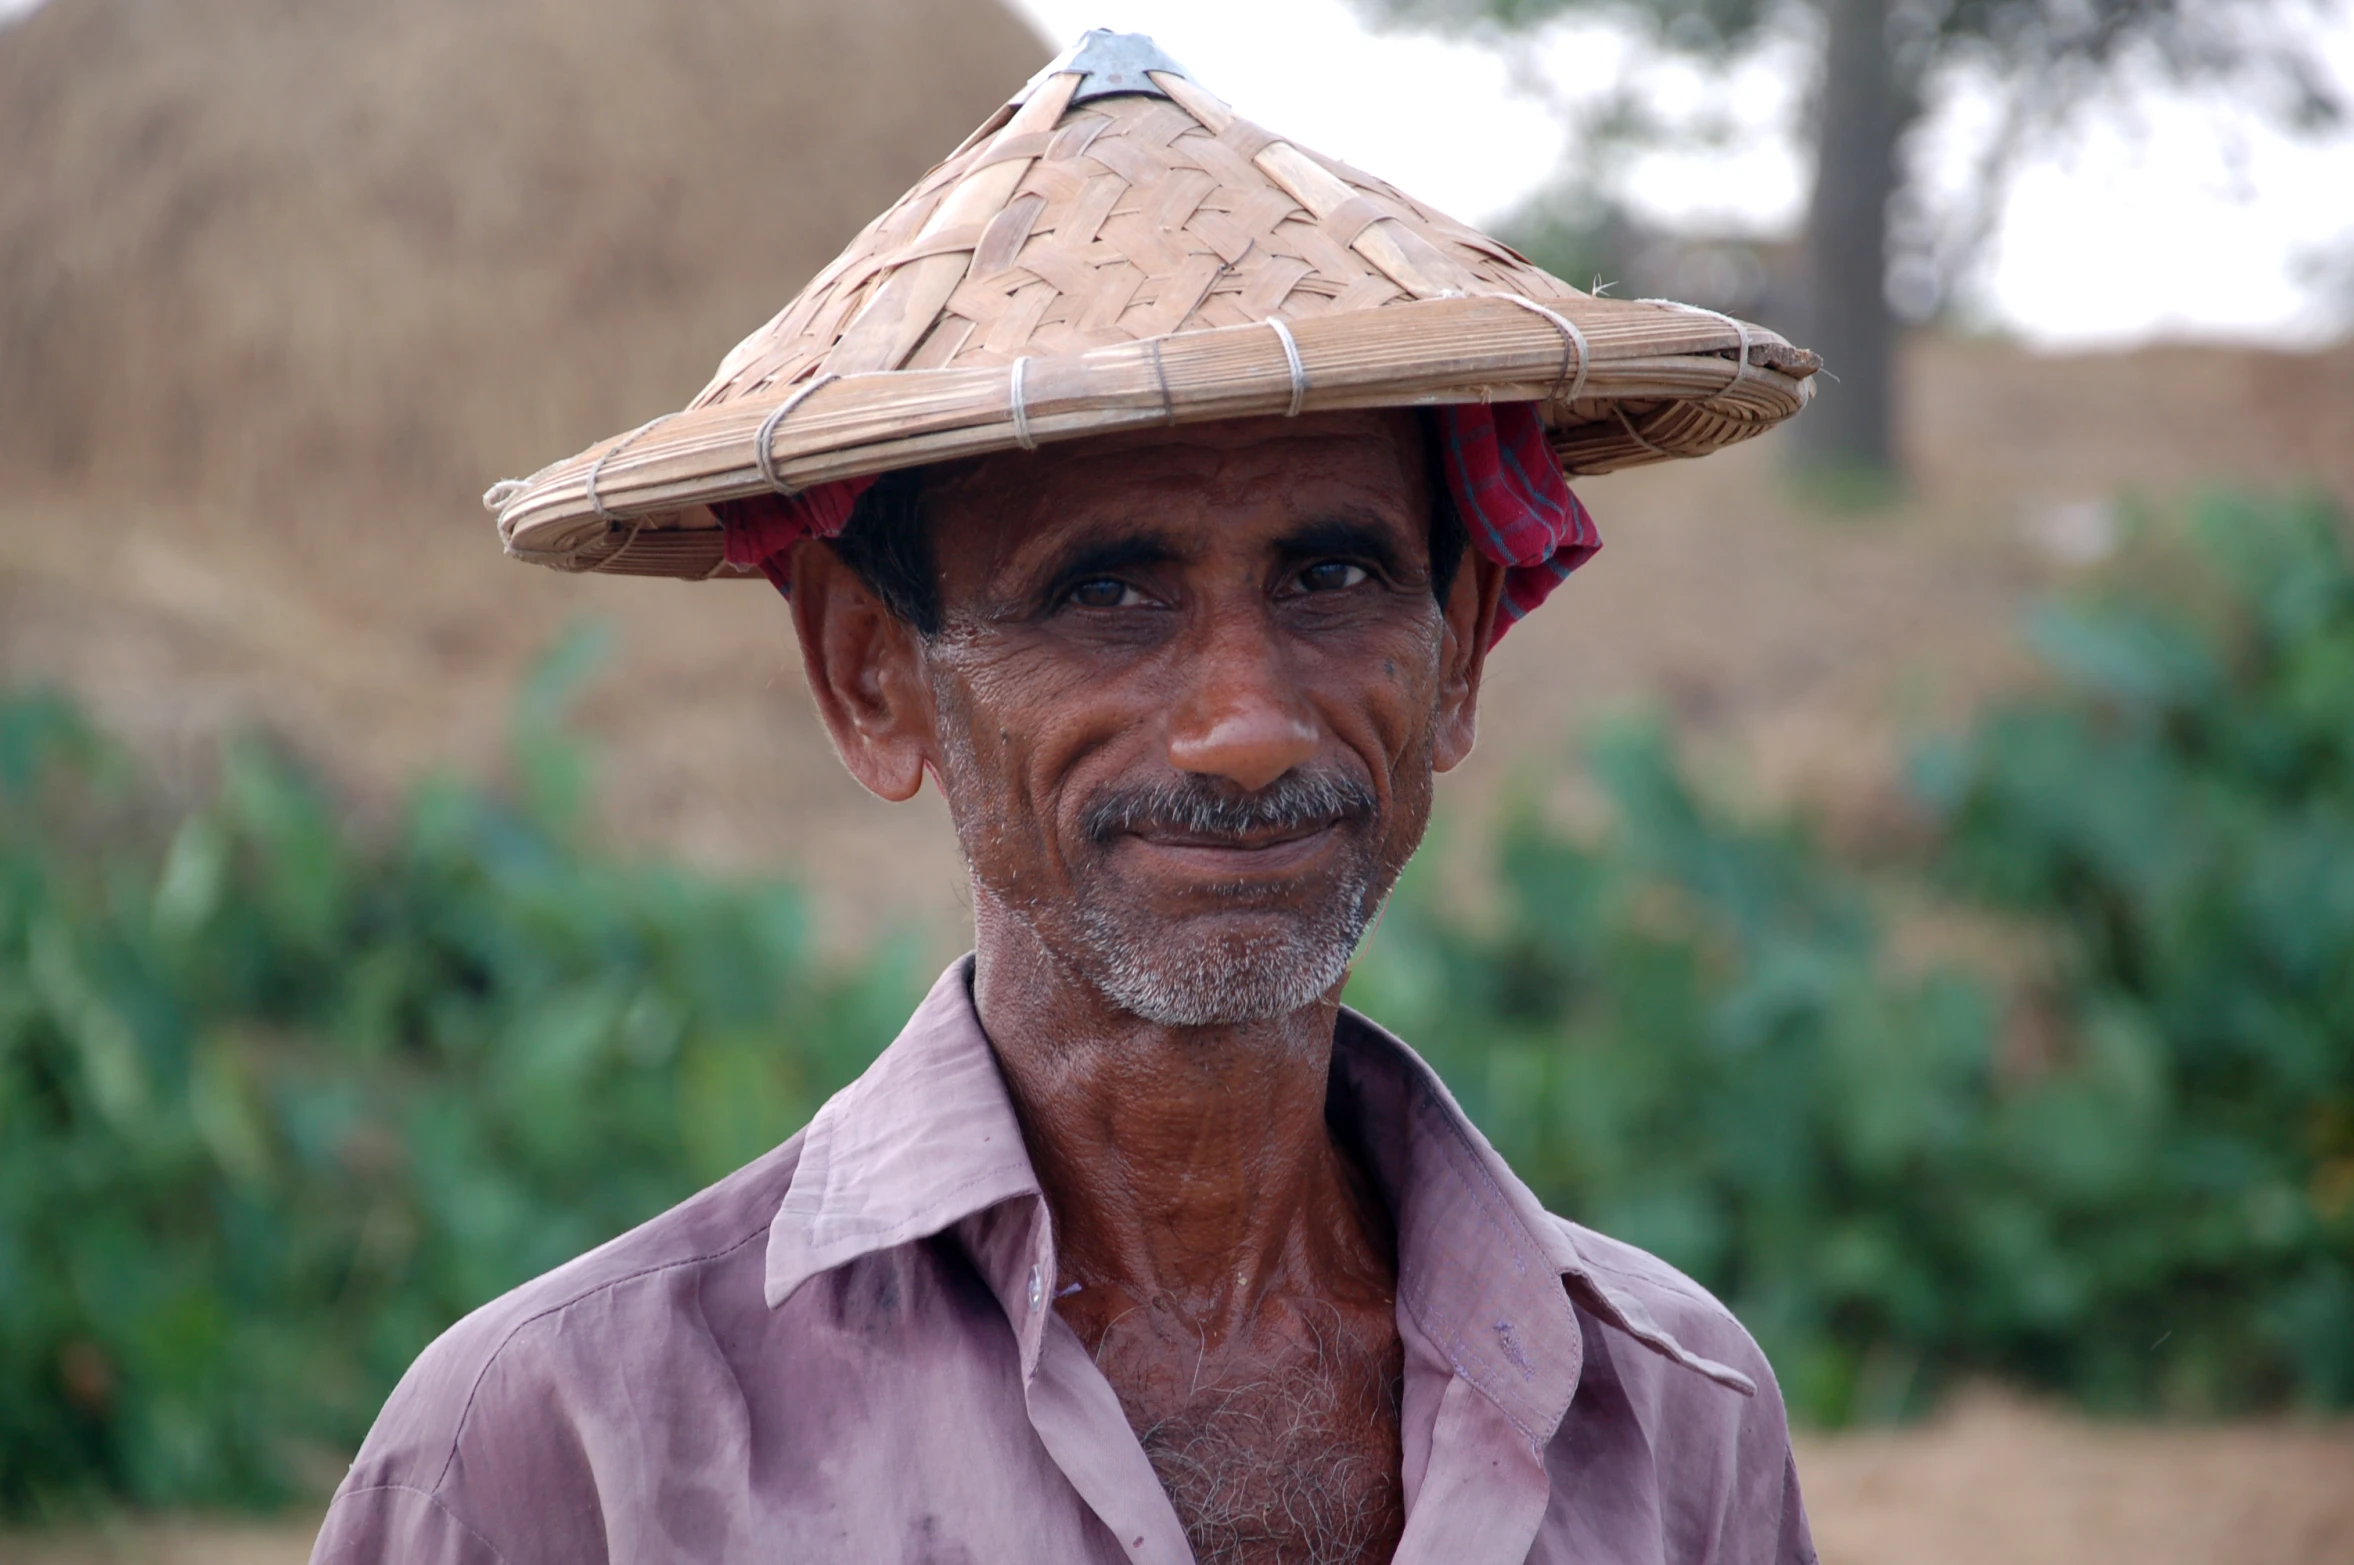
x,y
902,310
1404,258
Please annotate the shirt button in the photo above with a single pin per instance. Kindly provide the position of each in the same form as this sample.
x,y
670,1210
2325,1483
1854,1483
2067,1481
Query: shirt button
x,y
1037,1287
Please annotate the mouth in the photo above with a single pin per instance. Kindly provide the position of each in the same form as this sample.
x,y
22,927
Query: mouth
x,y
1196,838
1238,856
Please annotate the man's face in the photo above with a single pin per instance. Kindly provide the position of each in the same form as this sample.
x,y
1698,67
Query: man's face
x,y
1190,689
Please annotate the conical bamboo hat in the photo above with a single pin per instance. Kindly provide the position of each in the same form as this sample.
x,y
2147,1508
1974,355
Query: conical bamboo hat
x,y
1117,248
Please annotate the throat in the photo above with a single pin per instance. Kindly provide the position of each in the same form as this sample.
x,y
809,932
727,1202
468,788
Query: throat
x,y
1234,1267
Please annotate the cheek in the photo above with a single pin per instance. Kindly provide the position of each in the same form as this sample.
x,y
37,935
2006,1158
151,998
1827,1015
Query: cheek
x,y
1384,695
1014,726
981,752
1385,705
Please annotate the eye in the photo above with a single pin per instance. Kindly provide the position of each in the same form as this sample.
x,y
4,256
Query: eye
x,y
1104,592
1330,576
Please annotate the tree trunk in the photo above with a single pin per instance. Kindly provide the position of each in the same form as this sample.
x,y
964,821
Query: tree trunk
x,y
1850,427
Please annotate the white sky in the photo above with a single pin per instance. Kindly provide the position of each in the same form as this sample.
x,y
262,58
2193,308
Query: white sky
x,y
2136,230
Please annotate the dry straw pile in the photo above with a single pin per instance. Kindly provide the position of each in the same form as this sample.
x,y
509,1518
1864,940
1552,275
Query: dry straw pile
x,y
345,259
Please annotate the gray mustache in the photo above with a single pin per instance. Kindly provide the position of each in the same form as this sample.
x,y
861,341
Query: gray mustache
x,y
1193,805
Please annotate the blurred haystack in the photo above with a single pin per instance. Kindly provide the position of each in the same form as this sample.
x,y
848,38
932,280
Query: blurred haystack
x,y
341,260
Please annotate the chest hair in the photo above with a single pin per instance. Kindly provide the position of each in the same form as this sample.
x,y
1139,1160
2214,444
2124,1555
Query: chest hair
x,y
1297,1464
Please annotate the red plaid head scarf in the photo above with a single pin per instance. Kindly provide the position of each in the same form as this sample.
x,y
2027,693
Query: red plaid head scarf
x,y
1507,486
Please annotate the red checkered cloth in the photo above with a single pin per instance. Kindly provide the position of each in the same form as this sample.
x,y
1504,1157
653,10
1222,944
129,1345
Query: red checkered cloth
x,y
1508,489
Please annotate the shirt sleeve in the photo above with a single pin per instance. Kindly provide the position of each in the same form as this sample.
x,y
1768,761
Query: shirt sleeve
x,y
473,1460
1727,1458
1760,1518
388,1522
1668,1447
1797,1544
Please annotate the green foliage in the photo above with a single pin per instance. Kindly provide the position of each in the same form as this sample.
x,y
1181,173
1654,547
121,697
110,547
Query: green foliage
x,y
2183,821
279,1100
1690,1033
1685,1034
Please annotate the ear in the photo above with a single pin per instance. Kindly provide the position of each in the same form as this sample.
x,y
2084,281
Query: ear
x,y
865,669
1470,617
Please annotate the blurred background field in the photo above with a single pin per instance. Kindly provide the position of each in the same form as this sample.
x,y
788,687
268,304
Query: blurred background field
x,y
1913,889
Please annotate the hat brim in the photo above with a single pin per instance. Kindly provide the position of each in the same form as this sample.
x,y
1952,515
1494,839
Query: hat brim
x,y
1633,382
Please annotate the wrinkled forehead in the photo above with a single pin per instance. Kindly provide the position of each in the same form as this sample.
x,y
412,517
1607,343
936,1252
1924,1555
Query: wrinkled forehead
x,y
1366,463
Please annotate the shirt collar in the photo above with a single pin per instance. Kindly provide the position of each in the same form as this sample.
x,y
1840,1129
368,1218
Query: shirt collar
x,y
927,1138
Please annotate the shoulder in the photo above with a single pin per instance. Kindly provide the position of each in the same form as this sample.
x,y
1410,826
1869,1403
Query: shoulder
x,y
1673,1373
510,1376
521,1334
1650,1296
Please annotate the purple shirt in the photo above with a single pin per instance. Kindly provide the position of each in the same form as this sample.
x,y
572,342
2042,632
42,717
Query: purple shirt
x,y
849,1351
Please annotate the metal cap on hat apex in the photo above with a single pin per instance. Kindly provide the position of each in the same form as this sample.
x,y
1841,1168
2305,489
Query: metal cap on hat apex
x,y
1109,64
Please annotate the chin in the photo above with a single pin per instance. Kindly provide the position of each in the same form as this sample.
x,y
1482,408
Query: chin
x,y
1222,969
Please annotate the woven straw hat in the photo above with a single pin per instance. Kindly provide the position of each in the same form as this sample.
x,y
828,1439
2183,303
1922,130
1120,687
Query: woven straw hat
x,y
1116,248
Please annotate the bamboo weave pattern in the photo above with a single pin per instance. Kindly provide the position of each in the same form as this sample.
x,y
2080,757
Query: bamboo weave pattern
x,y
1109,248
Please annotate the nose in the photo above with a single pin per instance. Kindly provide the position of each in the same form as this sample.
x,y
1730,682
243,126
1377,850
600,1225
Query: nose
x,y
1241,716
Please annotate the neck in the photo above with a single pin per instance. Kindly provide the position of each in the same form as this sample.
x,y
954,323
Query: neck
x,y
1188,1169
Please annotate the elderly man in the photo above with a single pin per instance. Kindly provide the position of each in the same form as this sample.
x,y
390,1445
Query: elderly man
x,y
1157,489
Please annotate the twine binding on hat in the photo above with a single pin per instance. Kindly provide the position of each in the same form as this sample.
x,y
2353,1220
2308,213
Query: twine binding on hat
x,y
494,500
1291,359
598,553
763,444
604,551
1021,406
1740,331
1620,413
1160,376
1572,341
597,468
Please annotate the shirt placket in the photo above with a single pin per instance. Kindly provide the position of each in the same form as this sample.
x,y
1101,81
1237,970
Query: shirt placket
x,y
1493,1353
1073,1409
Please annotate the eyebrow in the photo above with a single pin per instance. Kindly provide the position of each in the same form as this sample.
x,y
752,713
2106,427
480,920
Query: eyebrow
x,y
1083,561
1323,538
1344,535
1110,556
